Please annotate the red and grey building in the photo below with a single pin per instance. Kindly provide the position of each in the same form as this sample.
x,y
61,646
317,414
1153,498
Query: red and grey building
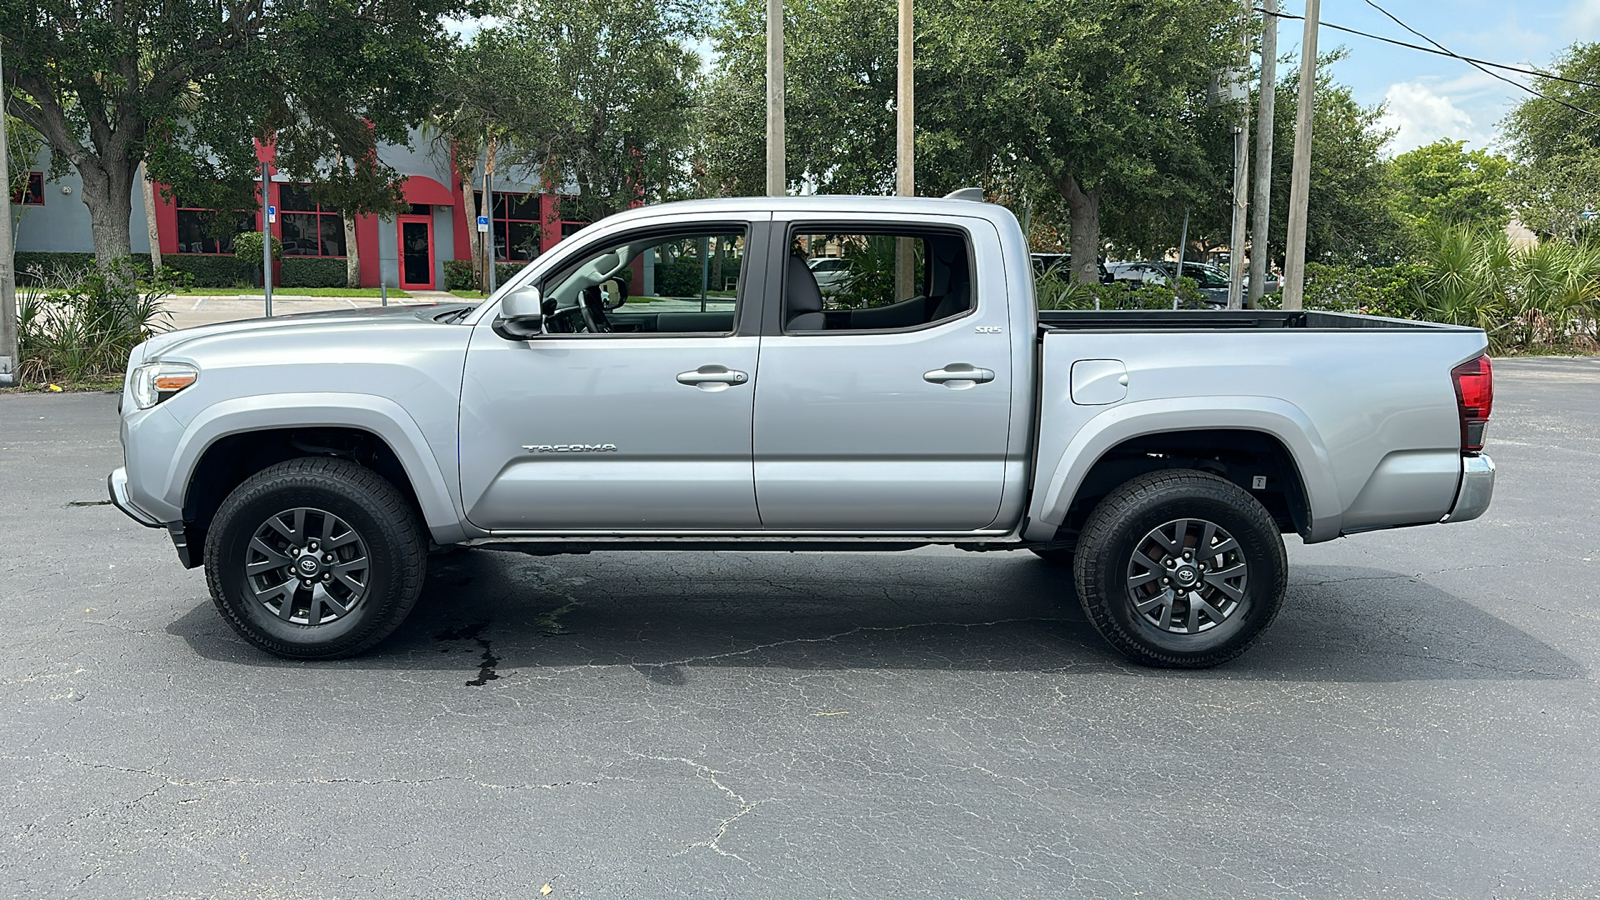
x,y
407,251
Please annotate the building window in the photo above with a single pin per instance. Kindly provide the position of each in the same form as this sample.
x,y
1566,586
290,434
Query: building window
x,y
197,227
568,229
309,229
32,193
516,226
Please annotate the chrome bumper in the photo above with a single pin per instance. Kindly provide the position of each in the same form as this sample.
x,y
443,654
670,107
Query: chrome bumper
x,y
117,486
1477,489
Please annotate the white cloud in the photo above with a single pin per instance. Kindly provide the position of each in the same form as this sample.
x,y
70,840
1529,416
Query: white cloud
x,y
1582,21
1422,115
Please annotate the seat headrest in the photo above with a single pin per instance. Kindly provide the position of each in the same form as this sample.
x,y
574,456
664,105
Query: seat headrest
x,y
800,288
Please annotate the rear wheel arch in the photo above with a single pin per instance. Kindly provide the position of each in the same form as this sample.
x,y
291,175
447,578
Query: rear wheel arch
x,y
1237,455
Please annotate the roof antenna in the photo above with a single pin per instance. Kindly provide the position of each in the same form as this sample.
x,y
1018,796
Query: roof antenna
x,y
967,193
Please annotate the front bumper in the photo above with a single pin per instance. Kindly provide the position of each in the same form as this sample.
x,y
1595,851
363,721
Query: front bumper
x,y
1477,489
117,485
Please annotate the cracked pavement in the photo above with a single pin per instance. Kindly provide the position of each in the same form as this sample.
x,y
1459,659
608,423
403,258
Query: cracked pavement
x,y
1418,723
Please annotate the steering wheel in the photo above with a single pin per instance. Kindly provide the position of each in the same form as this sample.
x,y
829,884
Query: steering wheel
x,y
593,309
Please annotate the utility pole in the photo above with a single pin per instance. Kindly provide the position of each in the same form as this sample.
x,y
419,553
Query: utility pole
x,y
1261,224
1241,175
905,149
1294,263
10,361
777,180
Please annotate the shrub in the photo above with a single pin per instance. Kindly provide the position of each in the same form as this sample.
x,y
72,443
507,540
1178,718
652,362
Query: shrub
x,y
1056,291
458,275
247,245
312,271
81,325
211,271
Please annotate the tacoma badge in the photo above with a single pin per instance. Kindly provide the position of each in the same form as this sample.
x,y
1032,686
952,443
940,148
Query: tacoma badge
x,y
570,448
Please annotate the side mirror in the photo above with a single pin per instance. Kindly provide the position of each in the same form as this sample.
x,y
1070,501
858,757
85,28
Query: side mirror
x,y
616,293
521,315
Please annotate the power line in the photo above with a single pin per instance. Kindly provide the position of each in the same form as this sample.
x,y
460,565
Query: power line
x,y
1476,63
1538,73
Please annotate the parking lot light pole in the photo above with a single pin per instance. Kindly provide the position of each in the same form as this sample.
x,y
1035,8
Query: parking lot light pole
x,y
905,146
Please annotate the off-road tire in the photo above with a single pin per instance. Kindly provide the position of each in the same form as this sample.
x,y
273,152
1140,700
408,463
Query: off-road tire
x,y
385,524
1127,516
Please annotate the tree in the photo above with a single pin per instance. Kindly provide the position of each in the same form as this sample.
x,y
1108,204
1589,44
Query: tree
x,y
1350,217
190,86
1444,183
612,117
485,93
1557,146
1095,109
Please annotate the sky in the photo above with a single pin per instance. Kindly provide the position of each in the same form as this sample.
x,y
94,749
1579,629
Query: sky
x,y
1430,97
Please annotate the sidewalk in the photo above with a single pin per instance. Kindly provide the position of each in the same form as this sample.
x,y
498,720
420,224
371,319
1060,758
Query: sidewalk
x,y
190,310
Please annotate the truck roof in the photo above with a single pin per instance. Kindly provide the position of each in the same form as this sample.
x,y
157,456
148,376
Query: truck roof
x,y
824,204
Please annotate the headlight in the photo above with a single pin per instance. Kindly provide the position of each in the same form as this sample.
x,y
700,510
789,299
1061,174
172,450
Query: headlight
x,y
156,382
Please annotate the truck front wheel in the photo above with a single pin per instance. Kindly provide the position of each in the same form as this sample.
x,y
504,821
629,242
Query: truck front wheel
x,y
1180,569
315,558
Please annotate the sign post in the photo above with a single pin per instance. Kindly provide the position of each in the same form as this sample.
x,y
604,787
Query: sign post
x,y
270,213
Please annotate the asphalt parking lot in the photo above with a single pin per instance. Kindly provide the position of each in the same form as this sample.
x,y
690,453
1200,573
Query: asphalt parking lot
x,y
1422,721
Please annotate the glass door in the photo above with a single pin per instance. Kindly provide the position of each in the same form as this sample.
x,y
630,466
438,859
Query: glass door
x,y
416,252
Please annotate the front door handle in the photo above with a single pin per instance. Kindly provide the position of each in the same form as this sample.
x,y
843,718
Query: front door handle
x,y
959,372
713,378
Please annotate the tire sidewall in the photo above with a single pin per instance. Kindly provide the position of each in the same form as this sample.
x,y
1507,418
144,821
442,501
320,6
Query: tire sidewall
x,y
1262,554
241,521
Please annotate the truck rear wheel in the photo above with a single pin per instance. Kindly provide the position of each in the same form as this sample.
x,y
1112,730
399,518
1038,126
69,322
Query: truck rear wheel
x,y
315,558
1180,569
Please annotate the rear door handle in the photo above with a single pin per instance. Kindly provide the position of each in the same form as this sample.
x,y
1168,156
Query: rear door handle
x,y
713,378
959,372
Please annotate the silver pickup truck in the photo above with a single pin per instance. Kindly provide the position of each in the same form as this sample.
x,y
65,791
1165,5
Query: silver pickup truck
x,y
674,378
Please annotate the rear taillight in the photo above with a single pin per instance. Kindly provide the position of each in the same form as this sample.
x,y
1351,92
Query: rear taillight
x,y
1474,381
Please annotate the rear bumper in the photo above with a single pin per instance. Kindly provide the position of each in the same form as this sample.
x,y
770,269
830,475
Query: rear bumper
x,y
1477,489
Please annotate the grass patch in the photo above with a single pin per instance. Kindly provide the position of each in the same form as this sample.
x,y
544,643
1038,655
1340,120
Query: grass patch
x,y
470,295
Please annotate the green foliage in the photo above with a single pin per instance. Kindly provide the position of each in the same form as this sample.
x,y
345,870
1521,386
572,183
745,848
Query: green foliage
x,y
212,271
1535,298
611,112
1392,291
1443,183
247,247
1557,146
458,275
1056,291
78,325
1350,216
310,272
188,85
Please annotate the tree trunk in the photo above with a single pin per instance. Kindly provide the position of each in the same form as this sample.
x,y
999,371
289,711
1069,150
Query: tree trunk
x,y
108,192
469,204
147,193
352,253
1084,242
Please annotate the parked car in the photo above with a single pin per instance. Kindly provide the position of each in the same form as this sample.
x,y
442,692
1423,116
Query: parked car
x,y
832,273
1061,262
309,463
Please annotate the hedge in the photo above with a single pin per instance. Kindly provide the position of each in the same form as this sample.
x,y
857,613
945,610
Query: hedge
x,y
458,274
32,263
311,272
212,271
